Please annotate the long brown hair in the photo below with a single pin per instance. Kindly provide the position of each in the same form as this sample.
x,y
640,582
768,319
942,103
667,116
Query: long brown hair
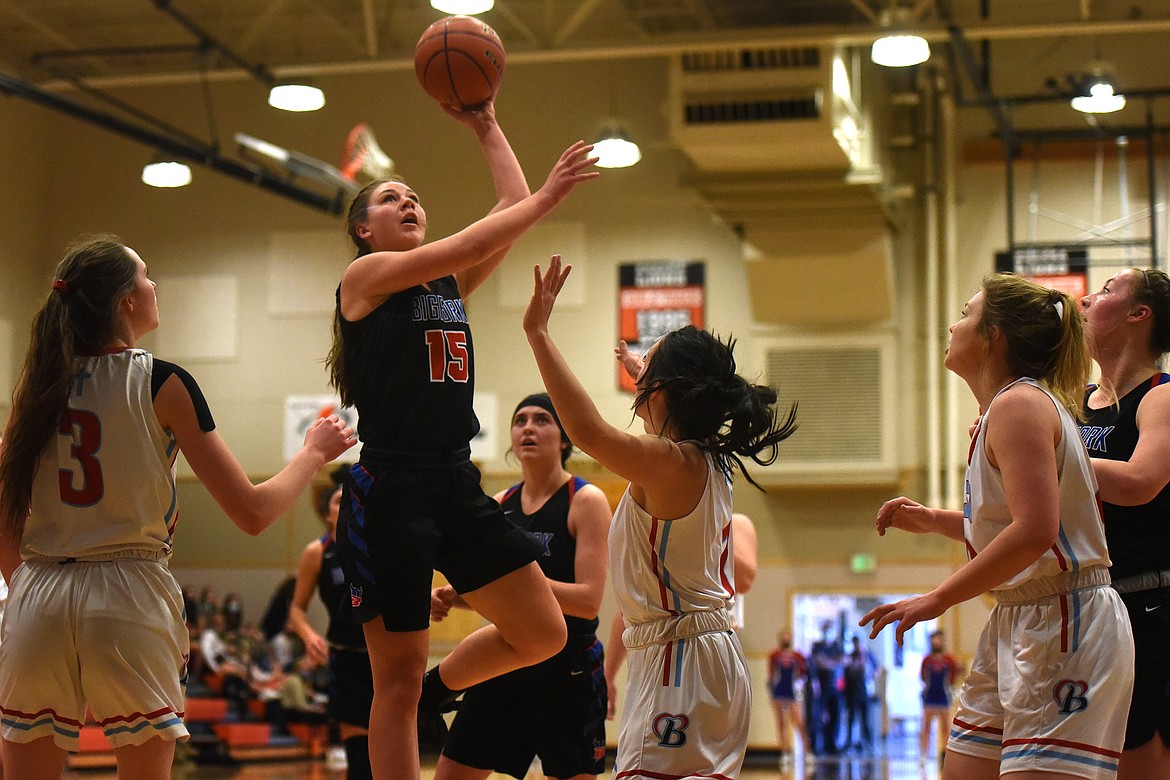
x,y
335,360
79,317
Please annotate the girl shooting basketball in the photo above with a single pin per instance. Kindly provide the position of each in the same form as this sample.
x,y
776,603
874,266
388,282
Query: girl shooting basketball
x,y
87,500
403,355
688,696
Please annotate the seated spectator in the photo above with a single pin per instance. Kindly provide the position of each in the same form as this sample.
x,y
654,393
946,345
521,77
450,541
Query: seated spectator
x,y
233,611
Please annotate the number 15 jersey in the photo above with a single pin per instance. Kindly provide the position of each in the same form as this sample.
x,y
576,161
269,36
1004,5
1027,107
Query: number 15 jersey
x,y
411,368
105,482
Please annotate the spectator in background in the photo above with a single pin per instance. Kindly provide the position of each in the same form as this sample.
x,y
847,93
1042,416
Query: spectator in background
x,y
940,673
827,657
859,670
343,648
209,605
233,612
787,669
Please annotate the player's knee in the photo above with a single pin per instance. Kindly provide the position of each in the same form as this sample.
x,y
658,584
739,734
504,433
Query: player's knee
x,y
541,640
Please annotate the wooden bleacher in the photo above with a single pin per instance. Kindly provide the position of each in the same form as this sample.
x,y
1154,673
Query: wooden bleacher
x,y
215,737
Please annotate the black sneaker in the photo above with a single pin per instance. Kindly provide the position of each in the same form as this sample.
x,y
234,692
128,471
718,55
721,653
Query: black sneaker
x,y
432,732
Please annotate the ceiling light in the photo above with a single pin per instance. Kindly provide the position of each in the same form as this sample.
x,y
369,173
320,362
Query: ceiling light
x,y
1100,98
469,7
900,51
898,48
296,96
615,150
162,172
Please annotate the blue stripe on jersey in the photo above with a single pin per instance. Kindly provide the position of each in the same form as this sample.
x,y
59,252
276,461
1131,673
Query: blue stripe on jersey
x,y
967,736
1068,549
358,543
1028,751
665,570
164,724
28,726
680,648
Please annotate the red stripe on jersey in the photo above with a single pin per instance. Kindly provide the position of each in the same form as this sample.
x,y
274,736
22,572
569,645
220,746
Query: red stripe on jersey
x,y
665,603
729,586
664,776
666,665
38,714
972,727
974,437
1060,559
137,715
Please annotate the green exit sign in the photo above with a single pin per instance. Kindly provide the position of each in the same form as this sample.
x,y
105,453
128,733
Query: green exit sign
x,y
863,563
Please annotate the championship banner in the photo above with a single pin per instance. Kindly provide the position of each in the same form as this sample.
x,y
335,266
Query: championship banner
x,y
654,298
1059,267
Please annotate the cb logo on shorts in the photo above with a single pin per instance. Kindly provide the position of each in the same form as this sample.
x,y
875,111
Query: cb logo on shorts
x,y
1071,696
671,730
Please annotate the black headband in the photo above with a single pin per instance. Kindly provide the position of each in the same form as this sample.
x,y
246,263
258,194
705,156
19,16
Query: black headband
x,y
544,402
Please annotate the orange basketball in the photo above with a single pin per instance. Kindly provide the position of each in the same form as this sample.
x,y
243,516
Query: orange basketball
x,y
459,61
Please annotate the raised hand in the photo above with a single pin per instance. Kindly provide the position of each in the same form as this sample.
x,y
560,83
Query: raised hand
x,y
479,119
569,171
545,290
630,361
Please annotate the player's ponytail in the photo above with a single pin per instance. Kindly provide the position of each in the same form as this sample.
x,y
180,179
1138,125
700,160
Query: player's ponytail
x,y
1044,332
708,402
79,317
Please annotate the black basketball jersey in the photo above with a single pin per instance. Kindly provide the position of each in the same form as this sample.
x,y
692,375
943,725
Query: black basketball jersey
x,y
334,593
550,524
411,367
1138,536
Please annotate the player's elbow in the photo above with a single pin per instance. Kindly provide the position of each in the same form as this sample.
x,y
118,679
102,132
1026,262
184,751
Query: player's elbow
x,y
250,521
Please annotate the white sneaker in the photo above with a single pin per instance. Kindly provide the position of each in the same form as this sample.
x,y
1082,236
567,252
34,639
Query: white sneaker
x,y
335,758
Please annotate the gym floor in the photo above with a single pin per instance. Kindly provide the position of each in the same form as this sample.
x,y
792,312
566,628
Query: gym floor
x,y
896,760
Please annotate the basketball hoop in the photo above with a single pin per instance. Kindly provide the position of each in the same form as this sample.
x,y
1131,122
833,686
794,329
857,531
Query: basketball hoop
x,y
363,155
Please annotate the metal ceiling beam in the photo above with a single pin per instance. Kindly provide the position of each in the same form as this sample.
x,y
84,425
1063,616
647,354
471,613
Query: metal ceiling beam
x,y
258,72
668,45
206,156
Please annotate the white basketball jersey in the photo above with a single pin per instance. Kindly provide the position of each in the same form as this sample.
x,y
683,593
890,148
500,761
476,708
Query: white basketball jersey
x,y
1080,541
664,568
106,481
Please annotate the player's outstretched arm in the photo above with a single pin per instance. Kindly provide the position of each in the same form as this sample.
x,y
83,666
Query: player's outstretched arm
x,y
251,507
375,276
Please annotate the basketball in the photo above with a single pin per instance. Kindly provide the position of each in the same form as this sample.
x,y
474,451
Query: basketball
x,y
459,60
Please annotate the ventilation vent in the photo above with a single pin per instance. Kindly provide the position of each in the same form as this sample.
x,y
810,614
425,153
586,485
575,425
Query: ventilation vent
x,y
751,59
845,414
752,111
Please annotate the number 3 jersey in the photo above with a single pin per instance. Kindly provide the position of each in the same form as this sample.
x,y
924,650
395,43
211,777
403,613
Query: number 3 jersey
x,y
410,367
105,482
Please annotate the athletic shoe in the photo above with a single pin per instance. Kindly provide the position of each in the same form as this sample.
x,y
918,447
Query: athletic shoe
x,y
432,732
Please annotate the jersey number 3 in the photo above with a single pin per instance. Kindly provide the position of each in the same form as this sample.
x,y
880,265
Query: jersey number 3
x,y
448,353
85,431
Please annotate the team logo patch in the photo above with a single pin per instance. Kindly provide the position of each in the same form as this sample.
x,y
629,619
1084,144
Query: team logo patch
x,y
671,729
355,595
1071,695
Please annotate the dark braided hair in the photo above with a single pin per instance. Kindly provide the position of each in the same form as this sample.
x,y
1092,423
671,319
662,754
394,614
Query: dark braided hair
x,y
708,402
